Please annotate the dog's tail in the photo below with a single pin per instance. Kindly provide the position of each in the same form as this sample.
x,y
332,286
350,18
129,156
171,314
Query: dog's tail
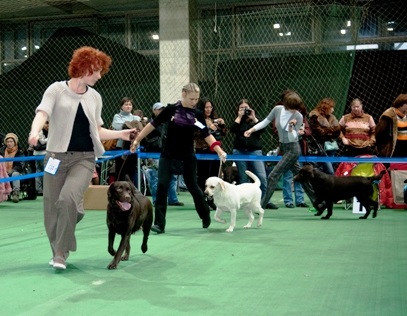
x,y
254,177
376,178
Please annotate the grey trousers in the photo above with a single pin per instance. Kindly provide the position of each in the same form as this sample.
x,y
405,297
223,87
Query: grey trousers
x,y
289,161
63,198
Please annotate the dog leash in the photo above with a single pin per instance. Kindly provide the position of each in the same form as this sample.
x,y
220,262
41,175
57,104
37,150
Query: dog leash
x,y
220,169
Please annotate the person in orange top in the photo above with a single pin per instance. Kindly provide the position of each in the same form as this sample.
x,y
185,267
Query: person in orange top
x,y
391,130
357,131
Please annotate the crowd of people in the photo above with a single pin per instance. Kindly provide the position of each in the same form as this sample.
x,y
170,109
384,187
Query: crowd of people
x,y
178,131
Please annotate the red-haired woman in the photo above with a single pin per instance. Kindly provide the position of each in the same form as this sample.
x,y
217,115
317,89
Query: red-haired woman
x,y
73,109
325,128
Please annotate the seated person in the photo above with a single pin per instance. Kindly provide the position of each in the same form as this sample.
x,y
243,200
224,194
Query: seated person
x,y
13,168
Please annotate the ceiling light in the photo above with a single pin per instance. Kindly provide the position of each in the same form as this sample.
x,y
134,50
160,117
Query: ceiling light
x,y
288,34
155,37
343,31
390,29
281,34
349,23
276,25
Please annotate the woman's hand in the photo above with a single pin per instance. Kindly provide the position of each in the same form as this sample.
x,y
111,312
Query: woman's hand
x,y
221,154
345,141
248,132
33,138
219,121
129,134
134,145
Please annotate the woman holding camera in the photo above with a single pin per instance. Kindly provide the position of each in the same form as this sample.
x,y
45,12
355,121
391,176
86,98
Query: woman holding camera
x,y
246,119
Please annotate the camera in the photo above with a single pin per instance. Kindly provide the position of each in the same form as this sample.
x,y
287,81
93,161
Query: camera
x,y
247,111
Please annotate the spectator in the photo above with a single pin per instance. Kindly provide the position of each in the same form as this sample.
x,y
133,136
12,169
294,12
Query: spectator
x,y
5,187
153,143
178,156
246,118
216,127
39,150
357,131
123,164
13,168
325,129
391,130
288,121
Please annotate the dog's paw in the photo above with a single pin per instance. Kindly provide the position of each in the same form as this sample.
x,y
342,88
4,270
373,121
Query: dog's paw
x,y
112,252
363,217
248,226
220,220
325,217
112,265
125,258
144,248
374,214
229,230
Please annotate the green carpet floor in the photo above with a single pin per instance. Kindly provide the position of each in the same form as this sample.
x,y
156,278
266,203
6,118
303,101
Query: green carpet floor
x,y
295,264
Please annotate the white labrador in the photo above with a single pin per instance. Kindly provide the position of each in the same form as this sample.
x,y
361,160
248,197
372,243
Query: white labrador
x,y
231,198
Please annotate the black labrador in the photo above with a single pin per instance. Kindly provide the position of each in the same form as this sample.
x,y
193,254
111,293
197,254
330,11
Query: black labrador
x,y
330,189
127,211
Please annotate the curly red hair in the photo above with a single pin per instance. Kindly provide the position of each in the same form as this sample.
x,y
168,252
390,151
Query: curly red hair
x,y
86,60
325,105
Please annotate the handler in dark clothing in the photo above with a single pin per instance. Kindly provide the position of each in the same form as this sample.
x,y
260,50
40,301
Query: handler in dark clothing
x,y
178,156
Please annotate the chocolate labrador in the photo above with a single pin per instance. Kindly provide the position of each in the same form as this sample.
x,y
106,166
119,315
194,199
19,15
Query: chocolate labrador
x,y
127,211
331,189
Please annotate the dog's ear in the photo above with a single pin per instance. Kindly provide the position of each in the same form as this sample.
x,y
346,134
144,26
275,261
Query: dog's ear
x,y
222,184
109,191
132,187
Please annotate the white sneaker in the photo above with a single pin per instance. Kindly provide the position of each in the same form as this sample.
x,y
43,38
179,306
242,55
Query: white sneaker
x,y
51,262
59,263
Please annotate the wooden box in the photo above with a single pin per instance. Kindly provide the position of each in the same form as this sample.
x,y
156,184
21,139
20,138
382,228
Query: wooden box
x,y
95,197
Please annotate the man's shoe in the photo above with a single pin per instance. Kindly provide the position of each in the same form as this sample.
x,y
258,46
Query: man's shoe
x,y
176,204
157,229
271,206
289,205
302,205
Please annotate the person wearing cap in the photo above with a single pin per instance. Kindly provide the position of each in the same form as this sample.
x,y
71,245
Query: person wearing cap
x,y
153,143
178,154
14,168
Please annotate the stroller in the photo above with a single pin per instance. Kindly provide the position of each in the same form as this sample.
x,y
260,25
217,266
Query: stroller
x,y
382,190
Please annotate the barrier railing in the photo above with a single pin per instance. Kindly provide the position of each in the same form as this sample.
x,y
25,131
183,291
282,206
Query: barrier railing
x,y
108,155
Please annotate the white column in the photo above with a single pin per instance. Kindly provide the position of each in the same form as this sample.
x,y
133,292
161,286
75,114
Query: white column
x,y
175,48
